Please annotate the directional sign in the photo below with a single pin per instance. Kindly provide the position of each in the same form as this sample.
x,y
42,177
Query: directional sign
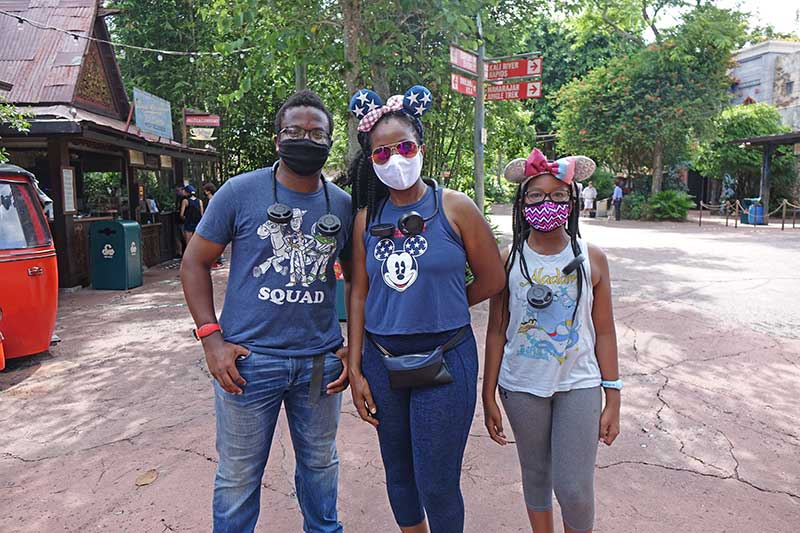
x,y
205,120
514,91
463,59
462,84
516,68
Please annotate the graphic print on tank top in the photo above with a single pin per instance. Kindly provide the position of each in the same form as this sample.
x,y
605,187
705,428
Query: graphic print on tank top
x,y
302,258
399,267
550,332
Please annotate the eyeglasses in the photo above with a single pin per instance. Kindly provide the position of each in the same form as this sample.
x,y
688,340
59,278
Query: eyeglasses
x,y
535,197
381,155
317,135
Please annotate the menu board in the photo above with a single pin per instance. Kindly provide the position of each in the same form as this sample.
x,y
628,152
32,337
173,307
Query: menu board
x,y
68,187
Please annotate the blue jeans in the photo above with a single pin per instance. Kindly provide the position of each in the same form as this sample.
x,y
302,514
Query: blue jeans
x,y
423,431
245,426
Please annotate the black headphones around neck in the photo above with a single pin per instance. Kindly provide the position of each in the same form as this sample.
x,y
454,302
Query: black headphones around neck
x,y
328,224
411,223
541,296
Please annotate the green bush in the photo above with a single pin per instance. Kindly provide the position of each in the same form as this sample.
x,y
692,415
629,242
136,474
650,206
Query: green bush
x,y
634,206
669,205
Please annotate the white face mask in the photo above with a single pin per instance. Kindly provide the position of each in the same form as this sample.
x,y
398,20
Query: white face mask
x,y
400,173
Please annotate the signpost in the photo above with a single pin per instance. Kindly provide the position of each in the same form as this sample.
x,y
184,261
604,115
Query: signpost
x,y
516,68
462,85
511,69
514,91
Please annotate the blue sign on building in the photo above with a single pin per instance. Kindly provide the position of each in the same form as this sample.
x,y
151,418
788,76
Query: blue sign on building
x,y
153,114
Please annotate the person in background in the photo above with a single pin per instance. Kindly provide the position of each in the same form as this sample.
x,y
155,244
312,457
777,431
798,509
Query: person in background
x,y
588,195
210,189
617,197
191,212
180,240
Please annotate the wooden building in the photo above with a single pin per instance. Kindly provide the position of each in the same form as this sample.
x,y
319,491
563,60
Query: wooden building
x,y
81,145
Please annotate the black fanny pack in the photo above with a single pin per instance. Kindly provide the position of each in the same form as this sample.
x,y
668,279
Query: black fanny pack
x,y
419,369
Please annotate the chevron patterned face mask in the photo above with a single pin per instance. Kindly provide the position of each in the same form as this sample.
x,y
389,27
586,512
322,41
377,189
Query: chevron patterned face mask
x,y
547,216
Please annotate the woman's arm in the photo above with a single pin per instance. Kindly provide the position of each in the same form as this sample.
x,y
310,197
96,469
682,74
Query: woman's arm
x,y
479,243
606,343
495,344
201,207
359,285
184,203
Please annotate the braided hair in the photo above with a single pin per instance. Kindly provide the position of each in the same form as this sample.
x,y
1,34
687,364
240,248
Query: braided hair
x,y
521,230
367,190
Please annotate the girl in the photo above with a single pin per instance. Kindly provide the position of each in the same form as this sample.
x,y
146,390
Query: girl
x,y
551,345
412,242
191,212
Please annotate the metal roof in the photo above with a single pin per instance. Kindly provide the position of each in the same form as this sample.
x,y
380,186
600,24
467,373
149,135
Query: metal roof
x,y
44,65
781,138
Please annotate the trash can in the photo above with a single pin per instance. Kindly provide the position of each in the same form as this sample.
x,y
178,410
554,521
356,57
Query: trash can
x,y
116,254
744,218
755,214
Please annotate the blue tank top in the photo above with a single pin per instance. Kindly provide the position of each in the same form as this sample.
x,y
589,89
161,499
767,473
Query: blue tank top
x,y
416,284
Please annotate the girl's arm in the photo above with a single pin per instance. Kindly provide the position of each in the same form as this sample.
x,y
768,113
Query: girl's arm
x,y
201,207
184,203
479,243
495,343
359,284
606,343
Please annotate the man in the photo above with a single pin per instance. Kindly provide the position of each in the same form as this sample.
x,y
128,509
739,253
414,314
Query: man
x,y
180,240
277,341
589,195
617,198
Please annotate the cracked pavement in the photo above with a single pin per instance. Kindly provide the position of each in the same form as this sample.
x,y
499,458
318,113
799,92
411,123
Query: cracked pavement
x,y
708,321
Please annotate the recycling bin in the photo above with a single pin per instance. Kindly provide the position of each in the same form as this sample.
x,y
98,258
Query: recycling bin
x,y
755,214
116,254
744,218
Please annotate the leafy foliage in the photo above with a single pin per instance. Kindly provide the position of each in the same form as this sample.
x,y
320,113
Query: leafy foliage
x,y
668,205
15,119
716,156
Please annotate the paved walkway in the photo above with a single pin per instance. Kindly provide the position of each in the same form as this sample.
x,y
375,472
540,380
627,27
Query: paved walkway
x,y
710,350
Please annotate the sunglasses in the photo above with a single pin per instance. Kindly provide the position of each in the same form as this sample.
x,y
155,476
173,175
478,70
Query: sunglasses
x,y
381,155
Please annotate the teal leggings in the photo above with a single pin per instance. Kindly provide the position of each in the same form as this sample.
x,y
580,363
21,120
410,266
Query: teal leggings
x,y
557,446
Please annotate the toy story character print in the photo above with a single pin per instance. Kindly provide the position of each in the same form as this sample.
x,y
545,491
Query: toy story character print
x,y
303,258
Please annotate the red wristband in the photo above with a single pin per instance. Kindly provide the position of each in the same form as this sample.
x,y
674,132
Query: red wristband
x,y
205,330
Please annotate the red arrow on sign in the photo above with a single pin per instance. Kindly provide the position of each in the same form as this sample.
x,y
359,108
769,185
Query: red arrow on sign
x,y
462,85
514,91
515,68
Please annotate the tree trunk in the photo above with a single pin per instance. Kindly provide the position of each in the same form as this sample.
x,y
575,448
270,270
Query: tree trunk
x,y
658,165
351,16
300,75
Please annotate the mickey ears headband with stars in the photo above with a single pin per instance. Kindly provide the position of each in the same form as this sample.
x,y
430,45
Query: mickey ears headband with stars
x,y
567,169
368,107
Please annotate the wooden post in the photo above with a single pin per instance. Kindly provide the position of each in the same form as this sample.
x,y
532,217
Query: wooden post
x,y
783,218
727,214
701,215
736,215
58,157
766,165
477,141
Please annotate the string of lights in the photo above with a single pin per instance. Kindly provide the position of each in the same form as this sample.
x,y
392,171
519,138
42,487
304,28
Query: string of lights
x,y
22,21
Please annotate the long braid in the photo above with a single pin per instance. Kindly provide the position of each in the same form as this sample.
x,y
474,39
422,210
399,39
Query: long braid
x,y
574,233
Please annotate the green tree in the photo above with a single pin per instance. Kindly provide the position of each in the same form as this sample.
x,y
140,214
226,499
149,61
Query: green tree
x,y
638,108
15,119
716,156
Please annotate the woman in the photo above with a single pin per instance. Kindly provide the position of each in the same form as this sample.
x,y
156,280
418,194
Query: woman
x,y
412,242
551,345
191,212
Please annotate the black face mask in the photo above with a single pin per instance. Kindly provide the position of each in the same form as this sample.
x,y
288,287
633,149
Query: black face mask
x,y
302,156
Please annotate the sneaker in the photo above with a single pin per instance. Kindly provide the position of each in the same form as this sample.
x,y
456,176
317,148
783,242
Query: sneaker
x,y
216,266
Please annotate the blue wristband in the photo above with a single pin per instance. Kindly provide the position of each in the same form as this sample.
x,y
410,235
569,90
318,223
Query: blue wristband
x,y
612,384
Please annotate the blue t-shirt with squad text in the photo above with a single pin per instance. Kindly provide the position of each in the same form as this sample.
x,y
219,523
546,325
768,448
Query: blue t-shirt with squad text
x,y
281,295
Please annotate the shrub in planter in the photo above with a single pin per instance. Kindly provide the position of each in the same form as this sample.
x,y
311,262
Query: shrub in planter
x,y
669,205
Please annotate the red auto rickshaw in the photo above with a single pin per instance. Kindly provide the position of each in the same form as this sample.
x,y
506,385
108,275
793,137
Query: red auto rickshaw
x,y
28,270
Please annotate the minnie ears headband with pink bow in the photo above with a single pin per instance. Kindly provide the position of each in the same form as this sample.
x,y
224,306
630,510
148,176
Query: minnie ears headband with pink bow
x,y
368,107
566,169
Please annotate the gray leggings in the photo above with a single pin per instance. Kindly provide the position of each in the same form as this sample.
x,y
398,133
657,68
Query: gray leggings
x,y
557,446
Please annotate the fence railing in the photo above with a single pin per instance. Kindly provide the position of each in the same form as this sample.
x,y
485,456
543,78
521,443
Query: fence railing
x,y
736,209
